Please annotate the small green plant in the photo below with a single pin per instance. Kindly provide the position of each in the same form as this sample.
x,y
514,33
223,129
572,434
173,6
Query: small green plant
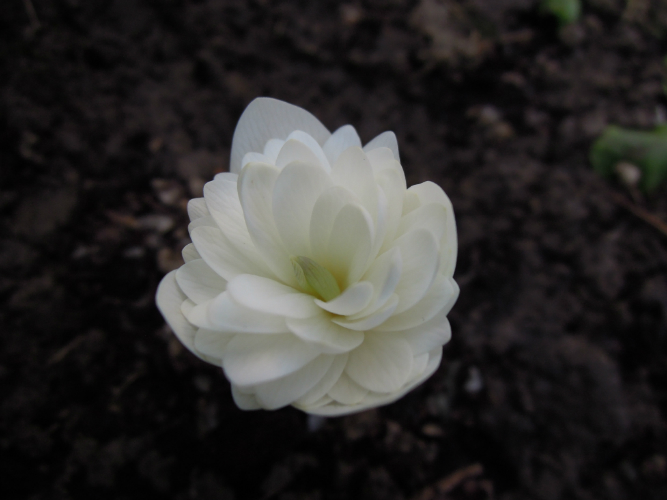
x,y
647,150
566,11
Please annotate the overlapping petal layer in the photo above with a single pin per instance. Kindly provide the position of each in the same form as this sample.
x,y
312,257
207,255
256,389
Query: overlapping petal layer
x,y
297,193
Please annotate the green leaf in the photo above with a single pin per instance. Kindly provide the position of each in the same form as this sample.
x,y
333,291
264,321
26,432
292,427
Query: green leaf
x,y
315,277
645,149
566,11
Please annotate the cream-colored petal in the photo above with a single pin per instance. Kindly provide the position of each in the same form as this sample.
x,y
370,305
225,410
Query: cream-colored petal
x,y
324,213
384,140
271,297
272,148
325,335
295,193
314,396
373,320
351,301
431,216
382,363
392,183
353,171
255,185
346,391
212,343
441,295
190,253
266,118
284,391
427,336
250,360
254,157
313,145
244,400
384,274
343,138
294,150
199,282
197,208
226,315
420,256
169,299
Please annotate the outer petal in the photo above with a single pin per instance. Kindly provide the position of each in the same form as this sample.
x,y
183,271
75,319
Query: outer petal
x,y
327,336
320,390
419,252
347,391
427,336
381,364
284,391
384,140
199,282
256,359
255,185
243,400
211,343
297,188
267,118
268,296
189,253
343,138
197,208
353,171
313,145
169,299
384,274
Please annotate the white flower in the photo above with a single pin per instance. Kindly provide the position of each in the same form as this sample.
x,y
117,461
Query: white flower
x,y
315,278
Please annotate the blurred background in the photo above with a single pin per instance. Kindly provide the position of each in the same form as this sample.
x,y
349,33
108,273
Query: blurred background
x,y
114,113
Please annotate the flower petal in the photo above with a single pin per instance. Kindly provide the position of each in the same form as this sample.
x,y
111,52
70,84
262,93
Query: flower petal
x,y
392,183
373,320
427,336
284,391
267,118
382,363
294,150
384,274
189,253
442,295
268,296
272,148
350,244
223,257
431,216
313,145
325,335
243,400
296,190
343,138
255,186
256,359
225,315
346,391
326,209
384,140
169,299
197,208
326,383
351,301
419,251
212,343
353,171
199,282
254,157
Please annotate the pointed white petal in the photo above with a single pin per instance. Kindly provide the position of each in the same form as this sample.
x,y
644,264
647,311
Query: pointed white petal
x,y
381,159
419,364
256,184
442,295
284,391
351,301
384,140
206,221
254,157
267,118
319,391
190,253
226,176
313,145
268,296
169,299
431,216
419,252
373,320
343,138
225,315
350,244
392,183
272,148
427,336
296,190
382,363
353,171
347,391
326,336
199,282
256,359
197,208
384,274
225,259
294,150
212,343
243,400
325,211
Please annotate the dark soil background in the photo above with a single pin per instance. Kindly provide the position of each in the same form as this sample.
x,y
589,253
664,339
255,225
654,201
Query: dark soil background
x,y
114,113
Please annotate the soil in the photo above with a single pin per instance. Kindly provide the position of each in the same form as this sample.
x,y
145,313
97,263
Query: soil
x,y
114,113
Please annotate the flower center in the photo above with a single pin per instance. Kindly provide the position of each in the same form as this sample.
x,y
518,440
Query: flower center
x,y
315,278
